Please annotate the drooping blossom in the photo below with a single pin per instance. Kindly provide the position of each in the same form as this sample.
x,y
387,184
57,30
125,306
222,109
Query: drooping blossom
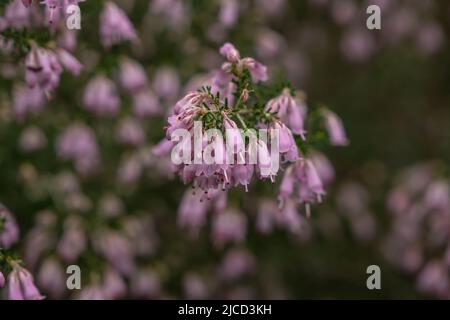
x,y
53,10
234,136
185,111
69,62
162,148
290,110
115,27
100,97
21,285
323,166
43,69
257,70
335,128
265,167
286,141
301,181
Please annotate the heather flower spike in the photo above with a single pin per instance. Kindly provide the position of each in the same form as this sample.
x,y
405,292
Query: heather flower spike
x,y
253,137
290,110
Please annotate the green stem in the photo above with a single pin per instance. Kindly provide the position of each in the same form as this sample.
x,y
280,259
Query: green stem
x,y
241,121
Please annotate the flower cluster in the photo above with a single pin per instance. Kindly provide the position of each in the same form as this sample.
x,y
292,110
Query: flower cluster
x,y
231,103
211,106
44,67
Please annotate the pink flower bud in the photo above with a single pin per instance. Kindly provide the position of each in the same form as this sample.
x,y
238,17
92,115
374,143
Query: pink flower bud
x,y
230,53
